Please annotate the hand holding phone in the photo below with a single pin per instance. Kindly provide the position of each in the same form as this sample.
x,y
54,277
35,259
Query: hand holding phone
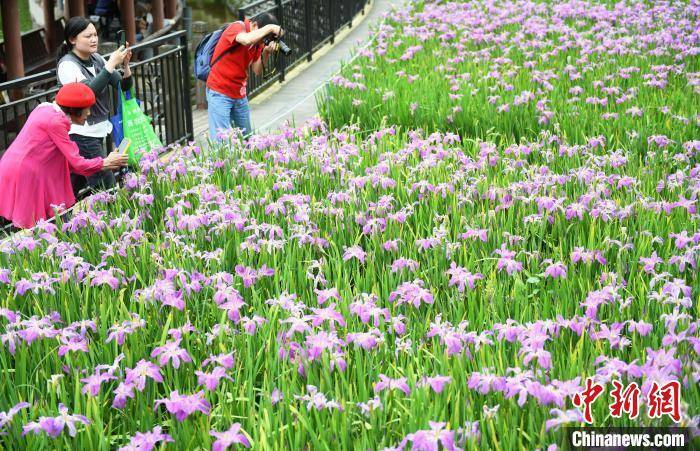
x,y
118,57
114,160
124,146
121,38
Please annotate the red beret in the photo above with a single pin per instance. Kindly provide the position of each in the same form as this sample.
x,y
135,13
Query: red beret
x,y
75,95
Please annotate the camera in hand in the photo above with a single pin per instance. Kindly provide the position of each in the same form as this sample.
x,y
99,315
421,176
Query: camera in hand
x,y
284,48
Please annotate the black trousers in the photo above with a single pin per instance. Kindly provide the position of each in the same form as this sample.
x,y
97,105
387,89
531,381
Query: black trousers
x,y
90,147
6,228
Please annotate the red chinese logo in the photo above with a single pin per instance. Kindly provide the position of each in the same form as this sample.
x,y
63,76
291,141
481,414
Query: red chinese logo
x,y
587,397
661,400
625,400
665,400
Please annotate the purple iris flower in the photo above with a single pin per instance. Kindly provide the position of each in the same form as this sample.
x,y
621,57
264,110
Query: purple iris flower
x,y
324,295
411,293
140,372
461,278
147,441
171,351
556,269
93,382
436,383
354,252
74,344
124,390
183,406
211,380
53,426
386,383
234,436
225,360
6,417
431,439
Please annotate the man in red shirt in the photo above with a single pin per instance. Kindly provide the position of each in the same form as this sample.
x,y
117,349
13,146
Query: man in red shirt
x,y
241,47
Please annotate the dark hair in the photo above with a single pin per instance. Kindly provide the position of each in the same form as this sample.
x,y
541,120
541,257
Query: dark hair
x,y
263,19
72,111
73,28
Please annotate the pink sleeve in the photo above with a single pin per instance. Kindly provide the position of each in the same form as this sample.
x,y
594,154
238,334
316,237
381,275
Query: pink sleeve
x,y
59,135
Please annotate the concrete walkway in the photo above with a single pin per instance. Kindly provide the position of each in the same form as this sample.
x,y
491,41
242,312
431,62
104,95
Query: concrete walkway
x,y
294,100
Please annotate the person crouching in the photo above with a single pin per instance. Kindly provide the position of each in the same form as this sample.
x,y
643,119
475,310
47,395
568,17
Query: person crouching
x,y
35,169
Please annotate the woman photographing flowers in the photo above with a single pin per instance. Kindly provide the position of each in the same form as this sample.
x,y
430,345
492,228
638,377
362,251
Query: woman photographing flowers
x,y
78,61
35,169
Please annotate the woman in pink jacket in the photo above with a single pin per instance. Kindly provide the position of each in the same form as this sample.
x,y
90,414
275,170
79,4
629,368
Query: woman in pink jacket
x,y
35,170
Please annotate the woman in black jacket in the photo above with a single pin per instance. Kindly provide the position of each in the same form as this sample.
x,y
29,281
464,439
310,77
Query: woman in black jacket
x,y
78,61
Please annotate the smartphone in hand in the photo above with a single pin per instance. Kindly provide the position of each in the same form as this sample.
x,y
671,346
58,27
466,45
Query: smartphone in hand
x,y
124,146
121,38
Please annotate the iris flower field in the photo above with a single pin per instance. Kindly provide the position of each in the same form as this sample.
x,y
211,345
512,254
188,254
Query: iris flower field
x,y
498,202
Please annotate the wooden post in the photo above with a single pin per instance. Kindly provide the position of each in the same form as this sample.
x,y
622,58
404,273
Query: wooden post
x,y
158,14
13,39
199,29
49,24
129,20
75,8
170,8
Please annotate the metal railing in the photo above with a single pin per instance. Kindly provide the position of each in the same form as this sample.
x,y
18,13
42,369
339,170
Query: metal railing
x,y
161,83
307,24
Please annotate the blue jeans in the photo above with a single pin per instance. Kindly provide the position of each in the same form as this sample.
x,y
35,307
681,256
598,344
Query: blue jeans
x,y
225,112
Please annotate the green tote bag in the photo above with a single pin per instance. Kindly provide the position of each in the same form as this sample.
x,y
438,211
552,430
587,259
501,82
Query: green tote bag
x,y
138,128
